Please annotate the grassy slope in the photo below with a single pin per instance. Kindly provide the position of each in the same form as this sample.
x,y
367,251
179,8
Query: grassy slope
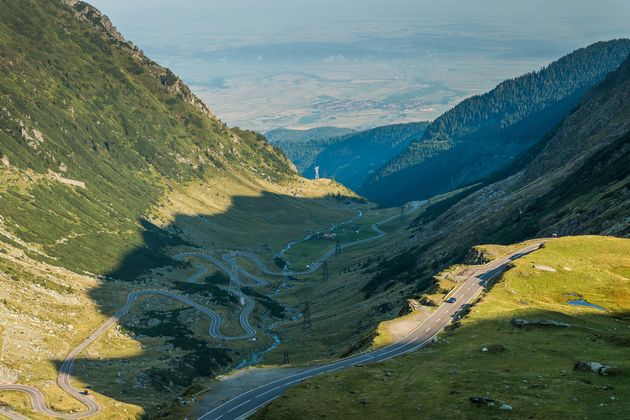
x,y
124,370
535,374
79,103
153,163
45,311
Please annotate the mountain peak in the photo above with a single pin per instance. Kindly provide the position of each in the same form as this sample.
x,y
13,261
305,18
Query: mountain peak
x,y
89,14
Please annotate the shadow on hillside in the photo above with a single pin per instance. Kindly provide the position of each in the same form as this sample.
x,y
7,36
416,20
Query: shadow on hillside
x,y
168,368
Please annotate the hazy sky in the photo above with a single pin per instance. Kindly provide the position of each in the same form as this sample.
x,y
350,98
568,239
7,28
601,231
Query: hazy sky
x,y
268,63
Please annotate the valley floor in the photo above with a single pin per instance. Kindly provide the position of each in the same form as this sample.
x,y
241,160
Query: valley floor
x,y
151,356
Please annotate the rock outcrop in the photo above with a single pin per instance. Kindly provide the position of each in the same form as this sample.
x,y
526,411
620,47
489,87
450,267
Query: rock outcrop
x,y
518,322
480,399
596,367
410,305
87,13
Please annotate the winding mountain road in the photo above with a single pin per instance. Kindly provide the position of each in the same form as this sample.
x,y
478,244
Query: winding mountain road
x,y
228,265
246,403
38,400
376,228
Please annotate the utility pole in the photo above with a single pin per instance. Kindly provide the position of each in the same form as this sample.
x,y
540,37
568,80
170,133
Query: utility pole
x,y
325,272
285,358
306,322
337,247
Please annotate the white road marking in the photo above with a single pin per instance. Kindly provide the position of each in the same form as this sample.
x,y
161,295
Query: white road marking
x,y
242,404
271,390
296,380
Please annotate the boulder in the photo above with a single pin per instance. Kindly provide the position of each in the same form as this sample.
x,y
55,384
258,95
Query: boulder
x,y
476,256
584,365
410,305
596,367
506,407
480,399
494,348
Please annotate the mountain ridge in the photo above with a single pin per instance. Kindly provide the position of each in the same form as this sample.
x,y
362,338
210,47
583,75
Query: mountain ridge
x,y
486,132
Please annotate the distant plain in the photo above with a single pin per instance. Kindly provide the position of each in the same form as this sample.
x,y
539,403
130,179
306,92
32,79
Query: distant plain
x,y
355,64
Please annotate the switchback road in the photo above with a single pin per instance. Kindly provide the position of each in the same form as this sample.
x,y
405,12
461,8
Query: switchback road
x,y
248,402
228,265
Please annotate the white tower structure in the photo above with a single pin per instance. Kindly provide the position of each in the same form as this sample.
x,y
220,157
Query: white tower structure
x,y
317,172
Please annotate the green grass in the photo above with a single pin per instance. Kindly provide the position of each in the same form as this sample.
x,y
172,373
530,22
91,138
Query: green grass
x,y
112,119
534,374
305,253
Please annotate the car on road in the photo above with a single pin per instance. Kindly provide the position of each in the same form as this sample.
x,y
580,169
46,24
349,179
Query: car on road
x,y
451,300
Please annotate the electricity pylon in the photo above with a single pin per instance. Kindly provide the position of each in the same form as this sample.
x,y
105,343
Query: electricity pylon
x,y
306,322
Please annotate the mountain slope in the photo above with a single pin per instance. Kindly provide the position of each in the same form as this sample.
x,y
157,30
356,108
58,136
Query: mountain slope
x,y
351,159
302,146
93,132
486,133
574,182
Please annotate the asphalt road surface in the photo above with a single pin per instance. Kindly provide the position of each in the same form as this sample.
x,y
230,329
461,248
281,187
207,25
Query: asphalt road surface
x,y
250,401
